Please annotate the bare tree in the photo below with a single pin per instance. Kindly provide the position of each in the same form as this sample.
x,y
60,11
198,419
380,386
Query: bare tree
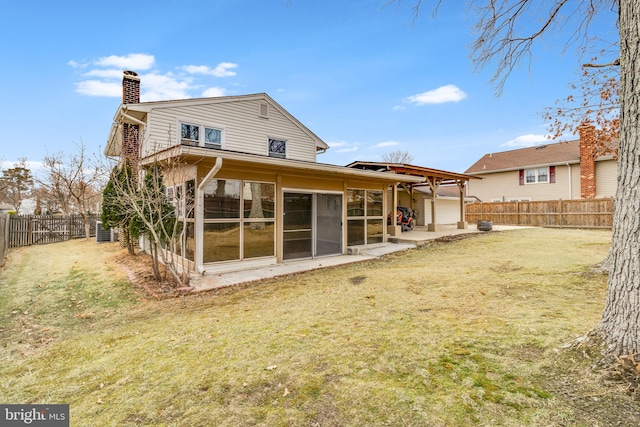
x,y
74,181
398,156
595,101
16,184
143,207
504,42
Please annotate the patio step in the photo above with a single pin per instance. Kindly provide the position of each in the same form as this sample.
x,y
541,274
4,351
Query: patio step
x,y
378,249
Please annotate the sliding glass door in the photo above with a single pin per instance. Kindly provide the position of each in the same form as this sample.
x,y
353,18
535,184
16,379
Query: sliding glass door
x,y
298,225
312,225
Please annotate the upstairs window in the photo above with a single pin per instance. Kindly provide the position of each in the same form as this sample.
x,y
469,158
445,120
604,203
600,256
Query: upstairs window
x,y
190,134
200,136
212,138
277,148
546,175
538,175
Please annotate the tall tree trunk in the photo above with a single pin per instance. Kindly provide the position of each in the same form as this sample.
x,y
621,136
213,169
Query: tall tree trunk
x,y
620,323
87,226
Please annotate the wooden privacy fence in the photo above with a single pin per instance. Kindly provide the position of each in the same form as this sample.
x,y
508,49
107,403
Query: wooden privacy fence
x,y
4,237
26,230
582,213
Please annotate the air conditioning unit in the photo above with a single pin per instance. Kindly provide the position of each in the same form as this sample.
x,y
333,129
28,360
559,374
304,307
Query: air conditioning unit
x,y
102,235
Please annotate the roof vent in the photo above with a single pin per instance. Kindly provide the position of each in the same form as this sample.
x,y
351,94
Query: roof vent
x,y
263,110
540,147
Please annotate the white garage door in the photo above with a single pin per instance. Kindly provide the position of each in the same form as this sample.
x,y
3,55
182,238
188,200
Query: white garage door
x,y
447,211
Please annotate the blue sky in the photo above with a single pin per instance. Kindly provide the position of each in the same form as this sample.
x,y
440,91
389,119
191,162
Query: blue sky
x,y
365,77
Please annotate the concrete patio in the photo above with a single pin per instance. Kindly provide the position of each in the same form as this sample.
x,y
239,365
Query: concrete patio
x,y
408,240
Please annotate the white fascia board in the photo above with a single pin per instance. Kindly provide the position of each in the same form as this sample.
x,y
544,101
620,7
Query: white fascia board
x,y
182,150
517,168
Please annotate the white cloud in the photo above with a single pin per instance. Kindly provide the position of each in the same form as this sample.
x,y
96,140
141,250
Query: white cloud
x,y
99,88
343,147
526,141
106,74
337,143
76,64
386,144
159,87
399,108
347,149
223,69
103,77
448,93
133,61
214,91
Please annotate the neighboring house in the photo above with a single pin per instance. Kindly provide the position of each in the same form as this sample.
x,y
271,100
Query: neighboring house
x,y
564,170
6,208
249,169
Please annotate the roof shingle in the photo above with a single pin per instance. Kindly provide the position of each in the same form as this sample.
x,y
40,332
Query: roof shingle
x,y
541,155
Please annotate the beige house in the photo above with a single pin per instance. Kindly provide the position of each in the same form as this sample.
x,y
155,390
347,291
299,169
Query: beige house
x,y
245,181
565,170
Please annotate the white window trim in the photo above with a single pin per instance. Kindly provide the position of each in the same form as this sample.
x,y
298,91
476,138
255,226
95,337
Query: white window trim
x,y
536,175
201,132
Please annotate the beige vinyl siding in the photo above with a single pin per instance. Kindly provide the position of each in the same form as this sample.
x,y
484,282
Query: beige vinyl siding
x,y
243,130
606,178
506,186
575,182
447,211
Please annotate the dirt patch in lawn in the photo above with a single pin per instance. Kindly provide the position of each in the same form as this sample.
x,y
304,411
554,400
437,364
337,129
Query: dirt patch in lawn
x,y
140,273
601,392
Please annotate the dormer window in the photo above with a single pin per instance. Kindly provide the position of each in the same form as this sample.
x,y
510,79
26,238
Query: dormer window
x,y
277,148
200,136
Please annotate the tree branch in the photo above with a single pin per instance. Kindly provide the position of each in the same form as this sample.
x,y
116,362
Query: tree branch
x,y
615,63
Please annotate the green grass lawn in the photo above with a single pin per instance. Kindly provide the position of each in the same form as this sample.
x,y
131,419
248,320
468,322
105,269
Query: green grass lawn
x,y
450,334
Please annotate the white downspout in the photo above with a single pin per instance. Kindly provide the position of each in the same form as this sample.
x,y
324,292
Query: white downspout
x,y
200,214
570,182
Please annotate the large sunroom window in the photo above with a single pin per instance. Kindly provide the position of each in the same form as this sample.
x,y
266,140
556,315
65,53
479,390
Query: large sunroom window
x,y
239,220
365,217
182,197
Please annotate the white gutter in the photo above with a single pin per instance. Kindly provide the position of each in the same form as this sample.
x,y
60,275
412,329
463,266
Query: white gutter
x,y
570,181
200,214
515,168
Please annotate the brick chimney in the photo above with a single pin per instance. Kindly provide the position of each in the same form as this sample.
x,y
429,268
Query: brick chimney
x,y
587,134
130,88
130,132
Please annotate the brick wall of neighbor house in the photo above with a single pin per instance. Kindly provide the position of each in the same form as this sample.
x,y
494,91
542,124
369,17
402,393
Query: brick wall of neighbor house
x,y
587,162
131,132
